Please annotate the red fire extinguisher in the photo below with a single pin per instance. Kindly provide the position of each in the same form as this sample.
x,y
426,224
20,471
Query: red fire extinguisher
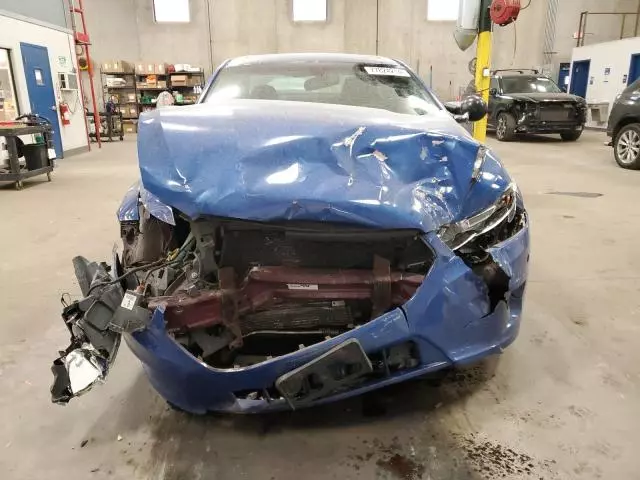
x,y
65,114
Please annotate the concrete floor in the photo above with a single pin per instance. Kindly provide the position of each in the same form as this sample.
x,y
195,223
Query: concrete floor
x,y
562,402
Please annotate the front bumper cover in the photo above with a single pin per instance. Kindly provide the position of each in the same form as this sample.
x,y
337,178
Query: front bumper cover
x,y
450,320
529,122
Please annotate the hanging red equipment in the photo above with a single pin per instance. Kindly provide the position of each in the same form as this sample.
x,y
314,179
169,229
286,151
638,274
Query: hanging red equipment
x,y
504,12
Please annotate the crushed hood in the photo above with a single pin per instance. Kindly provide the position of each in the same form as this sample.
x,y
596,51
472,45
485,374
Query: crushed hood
x,y
281,161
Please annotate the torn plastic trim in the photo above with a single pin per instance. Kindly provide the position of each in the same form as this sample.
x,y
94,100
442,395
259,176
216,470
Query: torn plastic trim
x,y
96,324
77,372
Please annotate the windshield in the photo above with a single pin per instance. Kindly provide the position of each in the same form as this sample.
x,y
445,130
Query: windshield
x,y
373,86
524,84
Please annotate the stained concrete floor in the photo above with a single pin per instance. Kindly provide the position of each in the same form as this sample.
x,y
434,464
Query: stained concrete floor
x,y
563,402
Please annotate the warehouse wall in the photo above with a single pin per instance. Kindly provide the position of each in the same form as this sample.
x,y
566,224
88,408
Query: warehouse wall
x,y
241,27
12,32
221,29
600,28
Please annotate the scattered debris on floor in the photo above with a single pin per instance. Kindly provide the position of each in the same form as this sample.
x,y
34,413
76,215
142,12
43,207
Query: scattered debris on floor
x,y
392,459
493,460
402,467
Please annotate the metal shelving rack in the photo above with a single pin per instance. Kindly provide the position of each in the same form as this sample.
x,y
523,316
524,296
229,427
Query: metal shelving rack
x,y
142,90
133,79
183,88
108,91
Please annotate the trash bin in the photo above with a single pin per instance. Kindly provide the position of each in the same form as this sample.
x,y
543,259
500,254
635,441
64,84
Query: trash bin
x,y
35,155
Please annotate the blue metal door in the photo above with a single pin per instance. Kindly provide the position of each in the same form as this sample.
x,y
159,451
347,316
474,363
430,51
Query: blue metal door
x,y
634,69
42,97
580,78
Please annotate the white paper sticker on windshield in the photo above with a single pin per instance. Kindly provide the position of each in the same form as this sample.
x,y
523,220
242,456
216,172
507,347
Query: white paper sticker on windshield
x,y
387,71
302,286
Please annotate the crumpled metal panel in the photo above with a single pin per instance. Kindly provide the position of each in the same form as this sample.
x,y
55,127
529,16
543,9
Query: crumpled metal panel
x,y
136,194
275,161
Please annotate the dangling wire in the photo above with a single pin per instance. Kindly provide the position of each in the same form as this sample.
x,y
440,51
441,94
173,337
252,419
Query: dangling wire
x,y
63,300
524,8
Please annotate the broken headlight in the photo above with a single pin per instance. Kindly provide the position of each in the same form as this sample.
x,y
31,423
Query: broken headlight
x,y
457,235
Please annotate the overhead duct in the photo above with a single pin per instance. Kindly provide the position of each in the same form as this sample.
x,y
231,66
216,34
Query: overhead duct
x,y
467,25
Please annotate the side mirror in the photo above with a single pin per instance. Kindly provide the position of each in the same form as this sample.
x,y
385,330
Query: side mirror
x,y
493,92
455,108
475,107
471,109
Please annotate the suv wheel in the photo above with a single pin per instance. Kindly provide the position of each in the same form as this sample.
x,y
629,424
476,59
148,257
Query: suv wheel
x,y
506,128
626,147
571,136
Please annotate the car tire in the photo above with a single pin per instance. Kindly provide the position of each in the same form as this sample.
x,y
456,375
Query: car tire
x,y
571,136
626,147
506,127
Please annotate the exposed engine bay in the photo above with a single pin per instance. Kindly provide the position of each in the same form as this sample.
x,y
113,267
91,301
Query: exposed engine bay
x,y
237,293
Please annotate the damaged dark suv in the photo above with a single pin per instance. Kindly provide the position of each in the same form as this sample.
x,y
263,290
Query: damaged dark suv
x,y
318,226
521,103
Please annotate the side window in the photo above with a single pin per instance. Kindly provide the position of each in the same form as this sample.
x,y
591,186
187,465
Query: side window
x,y
495,84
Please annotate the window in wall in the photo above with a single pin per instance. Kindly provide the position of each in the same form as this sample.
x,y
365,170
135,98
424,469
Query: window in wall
x,y
8,101
309,10
174,11
442,10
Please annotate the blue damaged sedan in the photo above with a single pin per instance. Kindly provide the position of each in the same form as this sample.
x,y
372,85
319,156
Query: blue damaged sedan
x,y
316,227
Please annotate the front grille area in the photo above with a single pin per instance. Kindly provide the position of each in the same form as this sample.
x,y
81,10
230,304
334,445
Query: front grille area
x,y
557,113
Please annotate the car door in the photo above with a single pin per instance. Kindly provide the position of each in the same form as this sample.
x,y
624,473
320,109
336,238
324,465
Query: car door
x,y
42,97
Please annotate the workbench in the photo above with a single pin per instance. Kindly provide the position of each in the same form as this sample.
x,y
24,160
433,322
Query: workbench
x,y
14,173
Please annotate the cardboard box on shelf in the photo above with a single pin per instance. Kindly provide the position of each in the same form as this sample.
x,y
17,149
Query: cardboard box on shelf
x,y
160,69
121,66
149,68
179,80
162,84
106,66
130,126
141,68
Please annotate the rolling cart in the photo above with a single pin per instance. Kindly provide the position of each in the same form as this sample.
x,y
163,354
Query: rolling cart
x,y
111,126
37,161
